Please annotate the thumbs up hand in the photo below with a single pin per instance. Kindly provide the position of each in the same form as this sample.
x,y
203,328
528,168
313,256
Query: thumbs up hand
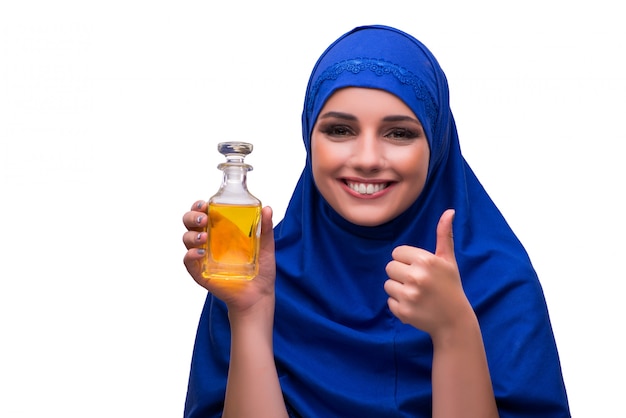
x,y
425,289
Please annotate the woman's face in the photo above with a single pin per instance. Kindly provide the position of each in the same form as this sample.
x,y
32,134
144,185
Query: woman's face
x,y
369,154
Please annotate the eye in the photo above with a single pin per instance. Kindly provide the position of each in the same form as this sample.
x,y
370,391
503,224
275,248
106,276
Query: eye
x,y
337,131
401,134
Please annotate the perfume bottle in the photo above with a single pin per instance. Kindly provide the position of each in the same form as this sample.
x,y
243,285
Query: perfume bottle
x,y
234,224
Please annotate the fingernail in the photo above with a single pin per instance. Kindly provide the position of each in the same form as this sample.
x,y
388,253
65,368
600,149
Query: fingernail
x,y
199,205
201,251
199,236
199,219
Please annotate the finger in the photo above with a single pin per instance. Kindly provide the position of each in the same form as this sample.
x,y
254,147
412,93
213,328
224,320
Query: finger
x,y
445,238
396,270
393,288
192,261
194,239
199,206
394,308
195,221
267,257
267,229
408,255
405,254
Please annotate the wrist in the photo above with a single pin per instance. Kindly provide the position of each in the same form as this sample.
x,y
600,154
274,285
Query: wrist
x,y
458,334
260,315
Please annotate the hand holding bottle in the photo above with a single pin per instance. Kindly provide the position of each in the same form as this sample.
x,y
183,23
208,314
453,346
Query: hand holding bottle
x,y
239,295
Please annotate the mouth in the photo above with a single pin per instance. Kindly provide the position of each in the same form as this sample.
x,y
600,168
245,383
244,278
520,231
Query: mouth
x,y
366,188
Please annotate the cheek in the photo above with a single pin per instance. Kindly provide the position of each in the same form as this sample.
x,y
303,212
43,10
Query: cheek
x,y
413,162
321,160
317,156
422,162
326,156
414,168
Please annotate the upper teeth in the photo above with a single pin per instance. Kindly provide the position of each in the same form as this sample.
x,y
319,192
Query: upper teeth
x,y
369,188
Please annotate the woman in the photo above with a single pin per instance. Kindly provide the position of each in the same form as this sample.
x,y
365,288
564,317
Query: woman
x,y
367,304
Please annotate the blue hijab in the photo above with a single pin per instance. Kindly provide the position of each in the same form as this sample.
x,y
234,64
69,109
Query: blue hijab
x,y
339,351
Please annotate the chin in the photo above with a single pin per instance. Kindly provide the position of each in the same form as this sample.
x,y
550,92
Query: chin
x,y
365,220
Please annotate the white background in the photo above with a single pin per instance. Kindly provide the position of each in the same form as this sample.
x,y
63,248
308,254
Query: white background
x,y
109,117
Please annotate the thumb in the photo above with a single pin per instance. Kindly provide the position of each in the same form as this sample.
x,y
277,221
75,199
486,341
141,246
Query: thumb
x,y
445,241
267,256
267,228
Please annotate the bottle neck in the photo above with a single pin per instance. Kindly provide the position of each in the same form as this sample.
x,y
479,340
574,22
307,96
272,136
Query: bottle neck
x,y
235,176
234,190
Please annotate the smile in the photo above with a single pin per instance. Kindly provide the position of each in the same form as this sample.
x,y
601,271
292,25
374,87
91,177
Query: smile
x,y
367,188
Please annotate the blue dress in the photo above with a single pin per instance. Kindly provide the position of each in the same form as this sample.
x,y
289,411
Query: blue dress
x,y
338,349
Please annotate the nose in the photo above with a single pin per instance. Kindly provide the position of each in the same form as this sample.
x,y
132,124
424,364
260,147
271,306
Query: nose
x,y
368,154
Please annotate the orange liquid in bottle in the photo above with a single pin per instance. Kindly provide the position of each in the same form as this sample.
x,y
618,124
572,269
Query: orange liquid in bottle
x,y
232,249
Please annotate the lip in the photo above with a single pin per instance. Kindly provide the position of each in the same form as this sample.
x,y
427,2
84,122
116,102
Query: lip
x,y
376,183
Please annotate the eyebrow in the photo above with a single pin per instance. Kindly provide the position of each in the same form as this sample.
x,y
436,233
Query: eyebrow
x,y
338,115
348,116
400,118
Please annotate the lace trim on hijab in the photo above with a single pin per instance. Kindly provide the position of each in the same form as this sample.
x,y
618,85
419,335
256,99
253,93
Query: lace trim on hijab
x,y
379,67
